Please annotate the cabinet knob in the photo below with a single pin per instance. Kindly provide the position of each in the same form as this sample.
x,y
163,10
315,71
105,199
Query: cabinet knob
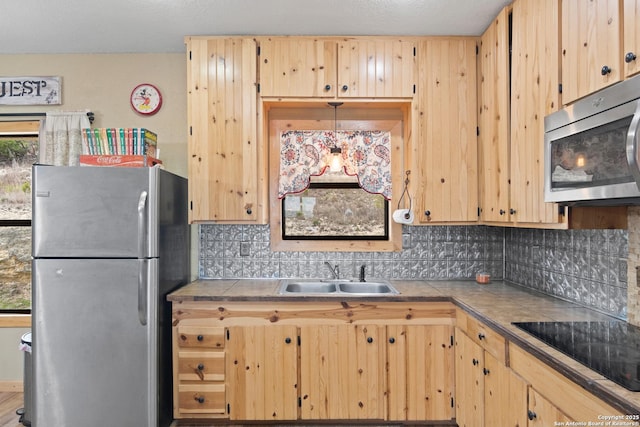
x,y
531,415
287,340
427,213
345,88
200,338
200,367
512,211
629,57
502,212
200,399
369,340
392,340
481,336
485,371
605,70
327,88
475,362
249,211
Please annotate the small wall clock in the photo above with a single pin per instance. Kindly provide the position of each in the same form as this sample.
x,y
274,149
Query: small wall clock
x,y
146,99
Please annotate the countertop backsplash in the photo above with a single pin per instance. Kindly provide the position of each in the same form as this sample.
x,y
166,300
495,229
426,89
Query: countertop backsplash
x,y
588,267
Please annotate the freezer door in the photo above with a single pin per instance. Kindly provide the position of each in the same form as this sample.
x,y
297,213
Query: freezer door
x,y
94,361
93,212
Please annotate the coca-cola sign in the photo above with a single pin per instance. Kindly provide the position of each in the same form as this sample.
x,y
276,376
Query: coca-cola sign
x,y
30,91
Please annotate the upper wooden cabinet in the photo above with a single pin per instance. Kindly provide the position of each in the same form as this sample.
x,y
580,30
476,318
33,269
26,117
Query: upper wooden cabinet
x,y
534,94
222,119
493,120
445,125
631,51
591,46
371,67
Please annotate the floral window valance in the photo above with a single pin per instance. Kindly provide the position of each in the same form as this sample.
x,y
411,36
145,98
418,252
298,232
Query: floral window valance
x,y
365,154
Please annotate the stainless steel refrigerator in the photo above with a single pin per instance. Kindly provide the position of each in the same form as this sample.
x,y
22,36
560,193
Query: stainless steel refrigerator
x,y
108,245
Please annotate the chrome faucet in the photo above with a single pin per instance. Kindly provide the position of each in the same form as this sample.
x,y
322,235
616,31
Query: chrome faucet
x,y
335,271
363,267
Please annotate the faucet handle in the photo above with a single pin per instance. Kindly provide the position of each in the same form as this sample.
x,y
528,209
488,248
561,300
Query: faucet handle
x,y
362,272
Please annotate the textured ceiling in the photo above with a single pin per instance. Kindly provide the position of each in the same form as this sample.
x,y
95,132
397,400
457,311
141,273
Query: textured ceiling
x,y
154,26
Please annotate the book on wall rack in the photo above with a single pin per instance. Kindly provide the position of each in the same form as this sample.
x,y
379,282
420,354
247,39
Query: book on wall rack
x,y
120,141
119,147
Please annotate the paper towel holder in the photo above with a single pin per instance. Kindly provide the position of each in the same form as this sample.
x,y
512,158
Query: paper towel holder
x,y
407,214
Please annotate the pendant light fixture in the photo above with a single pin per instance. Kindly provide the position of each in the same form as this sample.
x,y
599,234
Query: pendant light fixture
x,y
335,164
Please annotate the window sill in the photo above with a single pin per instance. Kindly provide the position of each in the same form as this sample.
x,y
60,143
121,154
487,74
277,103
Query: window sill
x,y
15,320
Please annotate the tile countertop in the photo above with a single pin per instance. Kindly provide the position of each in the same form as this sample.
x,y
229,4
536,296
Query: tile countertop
x,y
497,304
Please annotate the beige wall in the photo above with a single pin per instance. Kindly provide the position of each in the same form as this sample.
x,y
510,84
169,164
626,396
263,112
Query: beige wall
x,y
102,84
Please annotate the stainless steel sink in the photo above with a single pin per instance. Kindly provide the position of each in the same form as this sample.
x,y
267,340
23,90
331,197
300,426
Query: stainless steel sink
x,y
336,288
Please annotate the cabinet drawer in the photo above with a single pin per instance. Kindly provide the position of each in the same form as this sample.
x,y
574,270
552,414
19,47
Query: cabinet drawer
x,y
488,339
201,399
200,337
201,366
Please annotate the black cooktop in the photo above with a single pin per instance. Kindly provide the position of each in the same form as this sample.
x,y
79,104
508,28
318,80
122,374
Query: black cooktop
x,y
610,348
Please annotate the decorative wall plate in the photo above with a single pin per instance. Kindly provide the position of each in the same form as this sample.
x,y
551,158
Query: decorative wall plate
x,y
146,99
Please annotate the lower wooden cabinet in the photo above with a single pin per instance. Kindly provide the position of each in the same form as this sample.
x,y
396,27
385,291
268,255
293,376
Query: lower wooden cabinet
x,y
308,361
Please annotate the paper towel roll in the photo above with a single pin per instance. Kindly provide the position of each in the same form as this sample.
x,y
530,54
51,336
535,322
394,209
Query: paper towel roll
x,y
403,216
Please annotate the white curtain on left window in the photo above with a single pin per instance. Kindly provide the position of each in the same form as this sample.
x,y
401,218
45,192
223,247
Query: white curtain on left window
x,y
61,141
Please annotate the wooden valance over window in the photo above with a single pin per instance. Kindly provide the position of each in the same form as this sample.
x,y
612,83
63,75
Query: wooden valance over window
x,y
365,154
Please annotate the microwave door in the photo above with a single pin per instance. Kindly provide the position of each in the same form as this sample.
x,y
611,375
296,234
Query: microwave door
x,y
632,146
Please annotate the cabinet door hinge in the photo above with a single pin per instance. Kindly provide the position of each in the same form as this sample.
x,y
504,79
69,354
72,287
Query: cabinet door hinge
x,y
299,402
452,402
559,87
299,340
452,335
191,205
228,408
477,130
414,89
258,50
190,130
228,334
477,50
479,212
189,55
258,87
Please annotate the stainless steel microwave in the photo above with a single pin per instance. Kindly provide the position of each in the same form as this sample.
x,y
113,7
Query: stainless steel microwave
x,y
591,149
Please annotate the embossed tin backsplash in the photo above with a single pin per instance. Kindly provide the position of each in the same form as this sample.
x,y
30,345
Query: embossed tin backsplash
x,y
588,267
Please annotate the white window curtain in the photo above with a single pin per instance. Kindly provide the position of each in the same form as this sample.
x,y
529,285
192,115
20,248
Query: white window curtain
x,y
61,141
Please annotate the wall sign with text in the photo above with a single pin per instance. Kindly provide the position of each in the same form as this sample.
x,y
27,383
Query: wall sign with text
x,y
30,91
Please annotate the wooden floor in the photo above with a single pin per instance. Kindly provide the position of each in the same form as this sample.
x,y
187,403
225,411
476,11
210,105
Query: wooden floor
x,y
9,402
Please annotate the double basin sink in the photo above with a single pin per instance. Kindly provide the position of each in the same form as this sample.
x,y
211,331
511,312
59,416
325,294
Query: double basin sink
x,y
336,287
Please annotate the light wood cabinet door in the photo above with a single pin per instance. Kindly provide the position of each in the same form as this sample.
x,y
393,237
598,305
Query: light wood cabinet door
x,y
446,154
297,67
342,372
420,372
591,46
631,51
369,67
222,144
469,400
505,395
262,374
493,119
542,412
376,68
534,95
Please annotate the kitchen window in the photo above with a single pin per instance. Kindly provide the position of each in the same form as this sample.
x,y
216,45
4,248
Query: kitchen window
x,y
18,151
335,211
297,226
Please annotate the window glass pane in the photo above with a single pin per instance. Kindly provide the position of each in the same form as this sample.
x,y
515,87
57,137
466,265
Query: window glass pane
x,y
15,268
335,211
17,154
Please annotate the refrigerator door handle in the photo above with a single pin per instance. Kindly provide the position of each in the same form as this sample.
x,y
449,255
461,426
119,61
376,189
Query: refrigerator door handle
x,y
142,292
142,223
